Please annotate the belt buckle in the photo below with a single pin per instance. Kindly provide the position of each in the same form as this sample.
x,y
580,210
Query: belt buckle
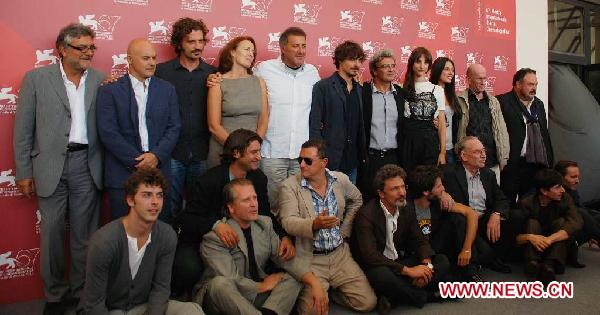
x,y
382,153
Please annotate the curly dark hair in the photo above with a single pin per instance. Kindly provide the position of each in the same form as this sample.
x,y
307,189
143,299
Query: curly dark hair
x,y
225,58
72,31
144,175
409,77
184,26
386,172
422,179
348,50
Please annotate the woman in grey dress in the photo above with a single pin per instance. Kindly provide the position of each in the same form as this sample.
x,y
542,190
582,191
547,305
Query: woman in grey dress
x,y
240,100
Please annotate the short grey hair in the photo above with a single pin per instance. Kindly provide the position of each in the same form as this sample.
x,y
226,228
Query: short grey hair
x,y
72,31
462,143
377,57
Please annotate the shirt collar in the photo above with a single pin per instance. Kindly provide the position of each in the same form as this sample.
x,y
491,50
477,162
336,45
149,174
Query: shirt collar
x,y
64,75
177,65
285,67
375,90
135,82
474,176
472,95
387,213
330,179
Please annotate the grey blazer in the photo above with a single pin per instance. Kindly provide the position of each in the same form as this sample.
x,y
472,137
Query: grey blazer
x,y
108,283
234,264
42,126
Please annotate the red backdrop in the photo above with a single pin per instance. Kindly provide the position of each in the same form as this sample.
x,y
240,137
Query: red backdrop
x,y
465,30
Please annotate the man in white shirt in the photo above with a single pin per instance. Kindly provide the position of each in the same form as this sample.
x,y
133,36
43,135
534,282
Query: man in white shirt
x,y
138,123
289,82
58,159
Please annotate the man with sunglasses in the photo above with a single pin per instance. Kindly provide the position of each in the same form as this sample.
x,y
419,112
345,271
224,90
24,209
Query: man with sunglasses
x,y
382,101
318,207
58,157
203,212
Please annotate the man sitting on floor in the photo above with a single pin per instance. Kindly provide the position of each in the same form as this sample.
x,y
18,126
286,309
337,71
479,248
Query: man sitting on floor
x,y
551,221
390,247
450,232
129,260
241,283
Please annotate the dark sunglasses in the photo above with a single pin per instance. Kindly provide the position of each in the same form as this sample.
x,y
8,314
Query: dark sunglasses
x,y
308,161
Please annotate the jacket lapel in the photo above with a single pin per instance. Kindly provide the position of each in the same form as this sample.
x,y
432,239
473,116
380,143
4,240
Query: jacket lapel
x,y
59,86
89,91
337,86
380,221
133,107
241,244
461,177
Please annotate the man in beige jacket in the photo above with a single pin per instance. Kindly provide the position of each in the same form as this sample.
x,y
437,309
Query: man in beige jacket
x,y
482,118
318,207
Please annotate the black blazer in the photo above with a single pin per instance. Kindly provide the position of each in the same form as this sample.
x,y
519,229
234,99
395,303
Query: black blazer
x,y
455,182
369,235
367,99
513,117
327,119
205,202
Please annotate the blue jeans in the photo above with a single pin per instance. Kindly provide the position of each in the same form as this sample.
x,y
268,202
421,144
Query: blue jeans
x,y
182,177
450,157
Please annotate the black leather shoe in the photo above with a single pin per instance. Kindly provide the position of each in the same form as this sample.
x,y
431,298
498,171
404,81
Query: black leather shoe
x,y
383,305
532,269
546,275
499,266
434,297
471,274
54,308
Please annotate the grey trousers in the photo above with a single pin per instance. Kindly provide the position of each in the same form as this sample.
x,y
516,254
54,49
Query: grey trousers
x,y
174,308
223,297
76,192
277,170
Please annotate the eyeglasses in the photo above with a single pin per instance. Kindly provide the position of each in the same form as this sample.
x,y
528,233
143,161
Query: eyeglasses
x,y
388,66
306,160
84,49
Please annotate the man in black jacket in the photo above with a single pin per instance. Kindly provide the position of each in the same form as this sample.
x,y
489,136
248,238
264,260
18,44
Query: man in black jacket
x,y
336,112
204,210
530,146
383,111
473,184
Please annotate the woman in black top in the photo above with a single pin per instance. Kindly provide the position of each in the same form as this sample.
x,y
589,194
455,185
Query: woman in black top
x,y
422,143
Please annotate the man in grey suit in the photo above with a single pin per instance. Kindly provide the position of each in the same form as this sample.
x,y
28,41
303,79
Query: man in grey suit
x,y
129,259
241,283
58,158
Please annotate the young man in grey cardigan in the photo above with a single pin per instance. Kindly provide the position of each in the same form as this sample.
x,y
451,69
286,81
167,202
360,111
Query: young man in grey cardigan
x,y
129,260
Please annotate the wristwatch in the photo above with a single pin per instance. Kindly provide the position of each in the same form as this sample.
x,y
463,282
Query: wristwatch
x,y
430,266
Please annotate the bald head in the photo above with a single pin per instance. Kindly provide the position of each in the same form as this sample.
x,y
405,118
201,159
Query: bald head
x,y
141,56
476,76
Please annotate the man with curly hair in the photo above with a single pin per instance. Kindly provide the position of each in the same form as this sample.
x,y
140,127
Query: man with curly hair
x,y
188,73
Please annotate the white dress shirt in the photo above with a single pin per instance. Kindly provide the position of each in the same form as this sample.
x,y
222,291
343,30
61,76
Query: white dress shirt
x,y
76,96
135,255
290,98
141,97
391,225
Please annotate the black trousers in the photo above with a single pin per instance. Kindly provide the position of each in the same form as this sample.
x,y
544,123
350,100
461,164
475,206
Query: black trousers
x,y
377,159
448,237
187,268
590,230
398,289
488,251
557,252
517,179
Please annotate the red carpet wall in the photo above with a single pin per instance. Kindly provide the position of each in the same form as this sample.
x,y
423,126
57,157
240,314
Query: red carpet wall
x,y
467,31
